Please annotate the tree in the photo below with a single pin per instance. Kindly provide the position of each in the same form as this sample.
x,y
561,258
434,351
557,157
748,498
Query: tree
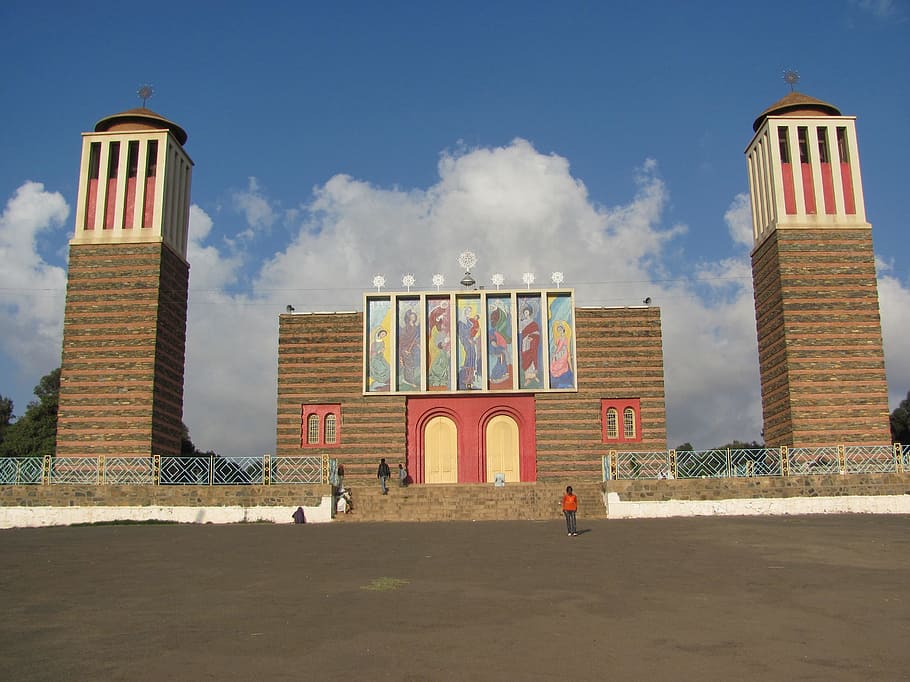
x,y
35,433
685,447
900,422
6,415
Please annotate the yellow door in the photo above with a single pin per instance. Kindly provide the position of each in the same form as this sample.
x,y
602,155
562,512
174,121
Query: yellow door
x,y
502,448
440,451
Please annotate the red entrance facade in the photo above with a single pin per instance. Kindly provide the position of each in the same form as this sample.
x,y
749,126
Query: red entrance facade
x,y
471,415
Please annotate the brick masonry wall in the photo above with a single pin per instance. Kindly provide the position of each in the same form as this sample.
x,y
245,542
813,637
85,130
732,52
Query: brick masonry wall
x,y
320,362
151,495
619,355
124,339
819,339
828,485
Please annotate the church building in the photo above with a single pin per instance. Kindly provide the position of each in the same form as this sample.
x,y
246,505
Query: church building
x,y
472,385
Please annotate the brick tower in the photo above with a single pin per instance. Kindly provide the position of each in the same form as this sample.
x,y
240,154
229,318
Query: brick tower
x,y
813,270
124,330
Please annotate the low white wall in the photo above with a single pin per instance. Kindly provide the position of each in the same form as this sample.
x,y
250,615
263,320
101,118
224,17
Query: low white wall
x,y
31,517
770,506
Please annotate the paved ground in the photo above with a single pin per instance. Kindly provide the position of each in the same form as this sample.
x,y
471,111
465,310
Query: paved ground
x,y
799,598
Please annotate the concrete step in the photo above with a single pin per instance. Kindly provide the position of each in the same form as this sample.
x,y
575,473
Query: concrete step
x,y
471,502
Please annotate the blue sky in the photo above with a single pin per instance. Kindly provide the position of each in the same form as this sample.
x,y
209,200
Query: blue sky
x,y
336,140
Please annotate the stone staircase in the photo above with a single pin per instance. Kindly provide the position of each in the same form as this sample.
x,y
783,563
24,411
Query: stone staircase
x,y
471,502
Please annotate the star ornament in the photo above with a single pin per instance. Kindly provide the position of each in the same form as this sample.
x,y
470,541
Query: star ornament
x,y
557,278
379,282
438,281
528,279
497,279
408,281
467,259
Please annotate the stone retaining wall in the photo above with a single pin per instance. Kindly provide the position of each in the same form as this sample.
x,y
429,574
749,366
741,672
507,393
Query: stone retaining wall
x,y
827,485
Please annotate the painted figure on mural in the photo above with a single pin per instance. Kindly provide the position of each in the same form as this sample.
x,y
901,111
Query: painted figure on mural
x,y
500,334
409,353
530,348
438,348
469,338
380,372
561,374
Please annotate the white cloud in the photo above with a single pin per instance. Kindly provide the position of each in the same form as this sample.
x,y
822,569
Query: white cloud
x,y
739,220
31,290
255,207
882,9
894,303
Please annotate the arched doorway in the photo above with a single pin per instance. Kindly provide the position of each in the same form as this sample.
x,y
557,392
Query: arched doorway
x,y
440,451
501,440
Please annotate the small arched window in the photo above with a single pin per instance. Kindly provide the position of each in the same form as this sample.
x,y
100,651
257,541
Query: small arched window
x,y
320,425
620,420
330,428
612,423
628,423
312,429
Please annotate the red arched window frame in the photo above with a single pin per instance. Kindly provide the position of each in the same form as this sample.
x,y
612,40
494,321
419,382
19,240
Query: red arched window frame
x,y
320,426
614,415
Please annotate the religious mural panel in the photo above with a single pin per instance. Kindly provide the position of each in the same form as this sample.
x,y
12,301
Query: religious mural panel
x,y
499,343
409,343
379,323
531,349
470,369
469,341
562,342
439,345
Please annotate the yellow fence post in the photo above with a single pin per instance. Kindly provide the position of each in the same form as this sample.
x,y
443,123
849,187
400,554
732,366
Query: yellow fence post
x,y
842,458
325,469
898,457
267,469
784,461
614,468
671,455
156,469
46,470
100,473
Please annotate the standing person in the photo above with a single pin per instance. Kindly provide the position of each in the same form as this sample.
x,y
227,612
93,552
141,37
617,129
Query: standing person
x,y
339,474
383,476
569,507
402,476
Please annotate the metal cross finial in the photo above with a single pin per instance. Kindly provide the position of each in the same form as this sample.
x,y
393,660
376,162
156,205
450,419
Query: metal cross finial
x,y
145,93
791,78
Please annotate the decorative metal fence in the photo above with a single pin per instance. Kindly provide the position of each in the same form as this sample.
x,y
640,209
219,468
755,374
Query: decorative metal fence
x,y
157,470
783,461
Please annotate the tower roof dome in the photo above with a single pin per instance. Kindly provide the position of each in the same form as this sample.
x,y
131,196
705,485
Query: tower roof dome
x,y
796,104
139,119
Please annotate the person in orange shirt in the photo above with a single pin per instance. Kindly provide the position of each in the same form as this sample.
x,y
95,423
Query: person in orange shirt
x,y
569,507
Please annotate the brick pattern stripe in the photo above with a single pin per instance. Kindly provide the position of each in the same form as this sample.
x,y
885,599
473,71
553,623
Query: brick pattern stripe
x,y
124,344
819,338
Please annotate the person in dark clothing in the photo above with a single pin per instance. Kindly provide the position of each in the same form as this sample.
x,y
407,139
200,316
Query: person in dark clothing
x,y
383,476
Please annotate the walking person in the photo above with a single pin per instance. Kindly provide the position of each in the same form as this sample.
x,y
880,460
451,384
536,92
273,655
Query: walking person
x,y
402,476
569,507
383,476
